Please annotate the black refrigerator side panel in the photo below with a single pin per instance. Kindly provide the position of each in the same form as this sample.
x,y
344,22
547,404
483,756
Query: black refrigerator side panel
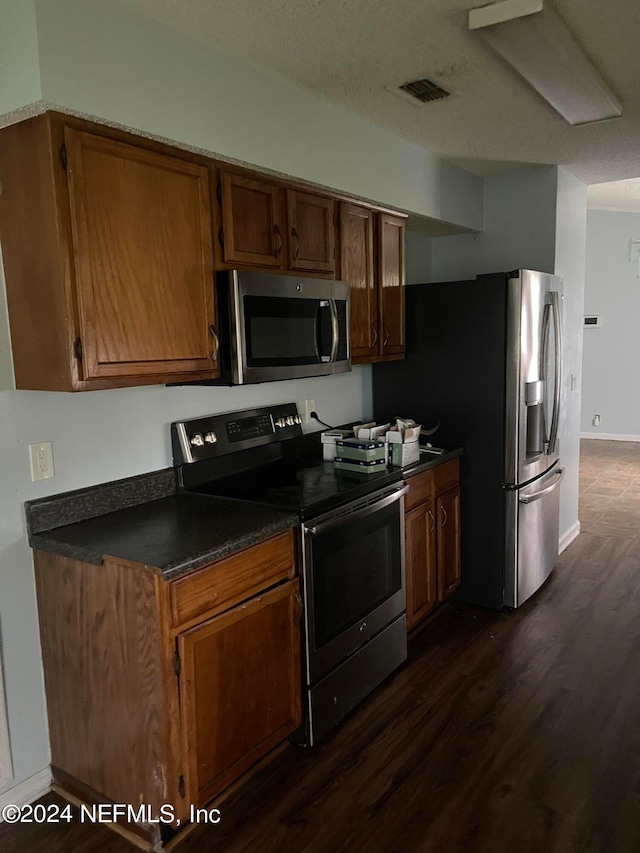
x,y
454,374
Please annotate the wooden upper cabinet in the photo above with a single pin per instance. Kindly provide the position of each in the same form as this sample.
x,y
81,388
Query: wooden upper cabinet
x,y
357,267
110,243
391,284
108,254
240,688
143,259
311,232
252,221
372,261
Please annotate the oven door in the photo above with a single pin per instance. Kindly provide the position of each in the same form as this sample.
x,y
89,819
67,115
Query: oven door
x,y
353,567
287,327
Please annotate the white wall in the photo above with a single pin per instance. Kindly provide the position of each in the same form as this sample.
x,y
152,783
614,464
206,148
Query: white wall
x,y
418,257
611,361
19,68
571,232
519,231
454,258
519,221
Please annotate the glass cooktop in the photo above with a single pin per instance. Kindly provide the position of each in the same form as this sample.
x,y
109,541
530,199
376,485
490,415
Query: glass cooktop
x,y
309,487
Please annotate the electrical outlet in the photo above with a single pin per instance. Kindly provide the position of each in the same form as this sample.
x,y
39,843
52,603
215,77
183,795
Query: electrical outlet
x,y
309,406
574,381
41,460
596,420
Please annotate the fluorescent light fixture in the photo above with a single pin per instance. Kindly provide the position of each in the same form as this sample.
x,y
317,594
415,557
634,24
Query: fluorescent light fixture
x,y
532,38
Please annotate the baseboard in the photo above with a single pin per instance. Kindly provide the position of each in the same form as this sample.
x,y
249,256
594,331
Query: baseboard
x,y
567,538
610,436
25,792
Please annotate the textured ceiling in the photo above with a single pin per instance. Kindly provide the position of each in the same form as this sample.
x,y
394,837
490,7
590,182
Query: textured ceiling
x,y
351,54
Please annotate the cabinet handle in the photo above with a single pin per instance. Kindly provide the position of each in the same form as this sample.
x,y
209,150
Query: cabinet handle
x,y
386,335
296,251
278,248
216,339
300,607
374,329
444,513
431,516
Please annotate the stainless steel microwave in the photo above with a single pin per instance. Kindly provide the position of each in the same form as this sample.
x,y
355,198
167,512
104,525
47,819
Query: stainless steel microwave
x,y
281,326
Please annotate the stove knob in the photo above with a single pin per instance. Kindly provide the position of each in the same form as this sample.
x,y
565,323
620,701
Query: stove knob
x,y
210,437
290,420
197,440
281,422
298,419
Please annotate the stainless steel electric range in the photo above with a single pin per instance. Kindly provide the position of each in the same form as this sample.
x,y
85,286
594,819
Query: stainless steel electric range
x,y
351,545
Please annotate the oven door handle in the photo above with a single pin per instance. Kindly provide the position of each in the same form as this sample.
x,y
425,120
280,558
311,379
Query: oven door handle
x,y
333,524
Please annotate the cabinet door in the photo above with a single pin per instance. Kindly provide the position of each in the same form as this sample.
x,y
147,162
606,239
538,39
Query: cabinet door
x,y
239,688
391,284
420,562
448,513
357,267
142,243
311,232
251,221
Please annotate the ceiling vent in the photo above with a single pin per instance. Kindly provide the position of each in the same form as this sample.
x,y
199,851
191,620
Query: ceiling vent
x,y
424,90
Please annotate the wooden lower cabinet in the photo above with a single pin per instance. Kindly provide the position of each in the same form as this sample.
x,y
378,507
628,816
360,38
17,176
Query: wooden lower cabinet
x,y
432,539
161,694
448,514
240,688
420,562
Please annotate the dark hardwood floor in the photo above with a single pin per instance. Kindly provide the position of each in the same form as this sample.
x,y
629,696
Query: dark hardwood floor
x,y
505,732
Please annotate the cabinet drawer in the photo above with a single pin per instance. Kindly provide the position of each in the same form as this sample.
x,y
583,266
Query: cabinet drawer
x,y
420,490
228,582
447,475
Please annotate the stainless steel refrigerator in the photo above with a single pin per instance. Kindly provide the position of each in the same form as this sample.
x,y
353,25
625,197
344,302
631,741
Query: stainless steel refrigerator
x,y
484,359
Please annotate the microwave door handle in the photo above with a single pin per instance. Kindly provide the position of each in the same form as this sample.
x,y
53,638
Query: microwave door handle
x,y
316,342
335,329
322,356
557,388
330,305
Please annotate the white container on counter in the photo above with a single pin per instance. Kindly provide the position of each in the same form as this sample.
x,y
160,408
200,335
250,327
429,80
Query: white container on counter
x,y
329,438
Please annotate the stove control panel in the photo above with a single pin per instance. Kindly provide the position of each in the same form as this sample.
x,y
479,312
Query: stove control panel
x,y
246,428
215,435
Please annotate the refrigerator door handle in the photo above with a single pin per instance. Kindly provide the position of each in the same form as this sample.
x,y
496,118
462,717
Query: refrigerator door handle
x,y
558,474
557,388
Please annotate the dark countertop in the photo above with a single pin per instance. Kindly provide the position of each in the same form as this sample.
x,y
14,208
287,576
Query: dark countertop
x,y
430,460
143,520
173,535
